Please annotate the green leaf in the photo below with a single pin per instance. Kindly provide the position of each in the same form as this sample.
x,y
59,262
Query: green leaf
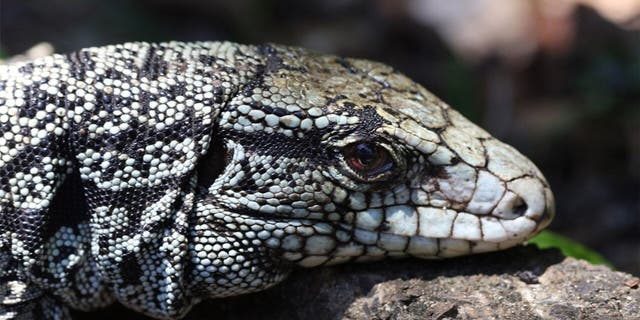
x,y
570,248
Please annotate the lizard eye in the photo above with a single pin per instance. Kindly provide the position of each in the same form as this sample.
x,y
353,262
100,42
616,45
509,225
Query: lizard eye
x,y
368,160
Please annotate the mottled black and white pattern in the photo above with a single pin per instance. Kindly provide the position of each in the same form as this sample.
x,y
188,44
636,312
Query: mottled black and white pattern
x,y
159,175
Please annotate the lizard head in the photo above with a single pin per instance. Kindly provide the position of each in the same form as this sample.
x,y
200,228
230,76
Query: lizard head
x,y
343,159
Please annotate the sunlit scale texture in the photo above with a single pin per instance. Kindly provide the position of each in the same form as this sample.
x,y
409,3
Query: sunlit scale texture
x,y
159,175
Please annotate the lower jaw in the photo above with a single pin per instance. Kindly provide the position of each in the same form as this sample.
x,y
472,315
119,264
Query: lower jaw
x,y
394,246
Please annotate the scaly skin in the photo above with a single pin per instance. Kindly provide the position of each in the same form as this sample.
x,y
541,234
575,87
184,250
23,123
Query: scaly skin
x,y
159,175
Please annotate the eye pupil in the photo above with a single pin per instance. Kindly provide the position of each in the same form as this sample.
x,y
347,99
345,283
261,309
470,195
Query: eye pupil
x,y
366,154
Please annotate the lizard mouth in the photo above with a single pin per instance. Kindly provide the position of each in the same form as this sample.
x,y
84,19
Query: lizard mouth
x,y
429,232
429,235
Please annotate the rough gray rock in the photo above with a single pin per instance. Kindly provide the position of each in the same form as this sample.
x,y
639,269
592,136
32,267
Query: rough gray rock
x,y
521,283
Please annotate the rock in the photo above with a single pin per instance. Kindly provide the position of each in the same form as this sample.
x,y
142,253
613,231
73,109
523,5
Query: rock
x,y
520,283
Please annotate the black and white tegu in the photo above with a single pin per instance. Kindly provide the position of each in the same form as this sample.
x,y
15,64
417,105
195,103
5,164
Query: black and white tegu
x,y
159,175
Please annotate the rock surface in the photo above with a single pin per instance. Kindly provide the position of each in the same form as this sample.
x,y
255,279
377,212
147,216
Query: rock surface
x,y
521,283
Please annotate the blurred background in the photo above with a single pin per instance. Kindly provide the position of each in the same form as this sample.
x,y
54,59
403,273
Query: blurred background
x,y
558,79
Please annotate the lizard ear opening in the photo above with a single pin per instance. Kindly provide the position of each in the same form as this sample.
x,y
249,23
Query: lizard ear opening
x,y
211,166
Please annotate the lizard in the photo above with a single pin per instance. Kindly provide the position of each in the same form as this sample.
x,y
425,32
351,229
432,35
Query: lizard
x,y
162,174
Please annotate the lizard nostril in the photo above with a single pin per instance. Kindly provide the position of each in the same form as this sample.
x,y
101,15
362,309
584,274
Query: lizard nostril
x,y
511,206
520,207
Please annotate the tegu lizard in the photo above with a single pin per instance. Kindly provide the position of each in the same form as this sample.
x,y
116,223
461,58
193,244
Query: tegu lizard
x,y
159,175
